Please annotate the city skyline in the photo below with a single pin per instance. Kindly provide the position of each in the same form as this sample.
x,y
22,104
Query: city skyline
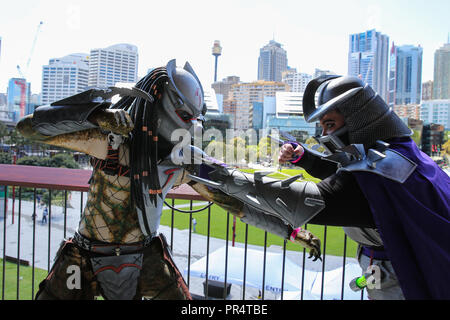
x,y
368,59
307,32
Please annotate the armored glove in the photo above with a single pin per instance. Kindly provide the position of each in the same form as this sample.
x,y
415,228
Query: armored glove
x,y
294,202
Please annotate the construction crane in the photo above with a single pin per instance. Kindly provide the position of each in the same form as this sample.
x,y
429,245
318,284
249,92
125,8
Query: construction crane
x,y
23,83
31,51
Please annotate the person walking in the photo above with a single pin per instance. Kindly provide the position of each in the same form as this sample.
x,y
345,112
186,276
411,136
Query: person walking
x,y
44,215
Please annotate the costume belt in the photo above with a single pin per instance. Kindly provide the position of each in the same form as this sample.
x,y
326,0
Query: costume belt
x,y
375,252
110,248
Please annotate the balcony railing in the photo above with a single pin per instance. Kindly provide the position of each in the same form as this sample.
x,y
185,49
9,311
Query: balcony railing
x,y
29,245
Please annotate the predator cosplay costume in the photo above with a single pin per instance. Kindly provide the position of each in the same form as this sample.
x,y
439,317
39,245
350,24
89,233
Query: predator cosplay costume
x,y
117,250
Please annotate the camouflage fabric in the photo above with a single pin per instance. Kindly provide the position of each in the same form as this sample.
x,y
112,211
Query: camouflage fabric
x,y
159,278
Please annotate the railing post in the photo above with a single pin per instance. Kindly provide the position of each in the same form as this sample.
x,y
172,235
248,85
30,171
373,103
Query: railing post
x,y
343,266
81,205
226,259
245,261
190,243
283,269
65,213
18,241
49,226
34,216
207,252
172,225
323,261
264,267
4,243
303,269
234,230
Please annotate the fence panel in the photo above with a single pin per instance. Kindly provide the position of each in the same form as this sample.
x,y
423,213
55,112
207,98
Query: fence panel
x,y
29,243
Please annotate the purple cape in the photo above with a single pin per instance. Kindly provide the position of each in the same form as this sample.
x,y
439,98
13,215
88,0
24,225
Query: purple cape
x,y
414,222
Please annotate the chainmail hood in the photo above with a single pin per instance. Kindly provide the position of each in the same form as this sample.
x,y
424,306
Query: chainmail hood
x,y
367,117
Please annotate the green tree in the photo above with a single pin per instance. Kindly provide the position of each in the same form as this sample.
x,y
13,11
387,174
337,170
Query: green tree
x,y
4,132
34,161
251,153
446,147
216,149
268,150
235,150
5,158
417,137
61,160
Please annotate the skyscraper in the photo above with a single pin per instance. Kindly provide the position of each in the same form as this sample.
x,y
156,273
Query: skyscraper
x,y
63,77
18,97
441,83
411,111
436,111
405,75
297,81
223,87
368,59
289,104
272,62
245,94
427,90
117,63
320,72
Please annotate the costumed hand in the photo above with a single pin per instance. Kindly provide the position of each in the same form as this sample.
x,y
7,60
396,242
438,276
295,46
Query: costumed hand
x,y
223,200
309,241
287,152
115,120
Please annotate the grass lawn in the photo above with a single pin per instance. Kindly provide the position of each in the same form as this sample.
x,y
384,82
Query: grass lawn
x,y
218,225
218,229
25,281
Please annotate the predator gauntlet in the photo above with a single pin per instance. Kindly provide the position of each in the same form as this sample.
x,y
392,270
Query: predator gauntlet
x,y
73,113
293,202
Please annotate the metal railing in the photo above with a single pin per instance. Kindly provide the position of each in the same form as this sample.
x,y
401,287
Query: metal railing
x,y
29,244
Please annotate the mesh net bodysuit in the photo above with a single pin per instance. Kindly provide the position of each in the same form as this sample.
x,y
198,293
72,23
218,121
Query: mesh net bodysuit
x,y
108,215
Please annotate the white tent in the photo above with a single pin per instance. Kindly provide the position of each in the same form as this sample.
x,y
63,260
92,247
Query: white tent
x,y
332,288
273,274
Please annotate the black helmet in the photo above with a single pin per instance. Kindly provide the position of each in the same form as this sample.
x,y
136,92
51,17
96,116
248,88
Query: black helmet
x,y
182,101
367,117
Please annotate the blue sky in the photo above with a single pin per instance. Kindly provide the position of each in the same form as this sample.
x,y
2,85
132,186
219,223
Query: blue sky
x,y
315,34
